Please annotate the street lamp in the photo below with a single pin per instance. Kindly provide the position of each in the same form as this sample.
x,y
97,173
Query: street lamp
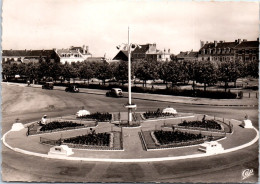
x,y
129,47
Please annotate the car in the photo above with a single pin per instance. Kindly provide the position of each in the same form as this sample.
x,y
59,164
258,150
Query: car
x,y
81,113
115,92
72,88
48,85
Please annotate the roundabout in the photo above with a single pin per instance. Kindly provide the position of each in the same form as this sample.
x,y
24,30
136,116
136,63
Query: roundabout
x,y
238,138
226,167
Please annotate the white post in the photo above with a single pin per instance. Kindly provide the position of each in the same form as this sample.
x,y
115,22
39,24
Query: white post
x,y
129,80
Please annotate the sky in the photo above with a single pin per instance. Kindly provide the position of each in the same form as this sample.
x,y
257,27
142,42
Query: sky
x,y
103,24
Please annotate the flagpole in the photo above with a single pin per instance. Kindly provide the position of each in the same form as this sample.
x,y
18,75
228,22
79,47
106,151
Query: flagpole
x,y
129,80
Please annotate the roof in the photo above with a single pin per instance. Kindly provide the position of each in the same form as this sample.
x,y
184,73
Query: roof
x,y
142,49
248,44
28,53
188,54
66,51
121,55
243,44
220,45
80,49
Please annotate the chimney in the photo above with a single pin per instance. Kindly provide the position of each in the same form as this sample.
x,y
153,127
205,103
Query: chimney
x,y
201,44
169,50
258,39
239,41
207,42
215,43
84,49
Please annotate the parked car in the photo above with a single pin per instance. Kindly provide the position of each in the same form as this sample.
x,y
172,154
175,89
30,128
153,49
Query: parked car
x,y
72,88
48,85
115,92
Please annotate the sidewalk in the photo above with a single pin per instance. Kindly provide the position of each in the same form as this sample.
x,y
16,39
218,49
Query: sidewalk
x,y
246,101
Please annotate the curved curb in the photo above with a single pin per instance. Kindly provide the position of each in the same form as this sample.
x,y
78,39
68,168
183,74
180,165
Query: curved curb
x,y
199,104
132,160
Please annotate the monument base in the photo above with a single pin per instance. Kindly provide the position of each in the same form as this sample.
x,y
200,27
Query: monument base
x,y
212,147
247,124
62,150
17,127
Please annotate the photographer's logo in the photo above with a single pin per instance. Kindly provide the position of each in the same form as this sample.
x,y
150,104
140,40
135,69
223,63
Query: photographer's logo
x,y
247,173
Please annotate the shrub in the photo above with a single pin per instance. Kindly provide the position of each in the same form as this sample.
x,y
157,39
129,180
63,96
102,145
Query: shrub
x,y
58,125
101,139
156,114
98,116
167,137
209,124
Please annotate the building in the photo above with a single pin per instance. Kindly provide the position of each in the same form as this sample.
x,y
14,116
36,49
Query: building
x,y
83,50
247,50
226,51
26,56
69,56
146,51
187,56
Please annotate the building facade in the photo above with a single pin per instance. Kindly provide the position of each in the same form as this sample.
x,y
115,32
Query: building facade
x,y
226,51
26,56
69,56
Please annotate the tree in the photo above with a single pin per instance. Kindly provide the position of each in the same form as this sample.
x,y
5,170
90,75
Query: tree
x,y
55,70
31,70
6,70
103,71
206,72
86,71
163,73
173,72
252,68
229,71
67,71
147,70
121,71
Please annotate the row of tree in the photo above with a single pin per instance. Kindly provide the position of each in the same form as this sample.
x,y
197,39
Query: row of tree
x,y
206,72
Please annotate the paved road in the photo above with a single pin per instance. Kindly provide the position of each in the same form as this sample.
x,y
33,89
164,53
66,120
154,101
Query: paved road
x,y
29,104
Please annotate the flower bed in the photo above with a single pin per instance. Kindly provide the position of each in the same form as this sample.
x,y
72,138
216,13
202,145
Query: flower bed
x,y
98,116
100,139
207,124
156,114
59,125
168,137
